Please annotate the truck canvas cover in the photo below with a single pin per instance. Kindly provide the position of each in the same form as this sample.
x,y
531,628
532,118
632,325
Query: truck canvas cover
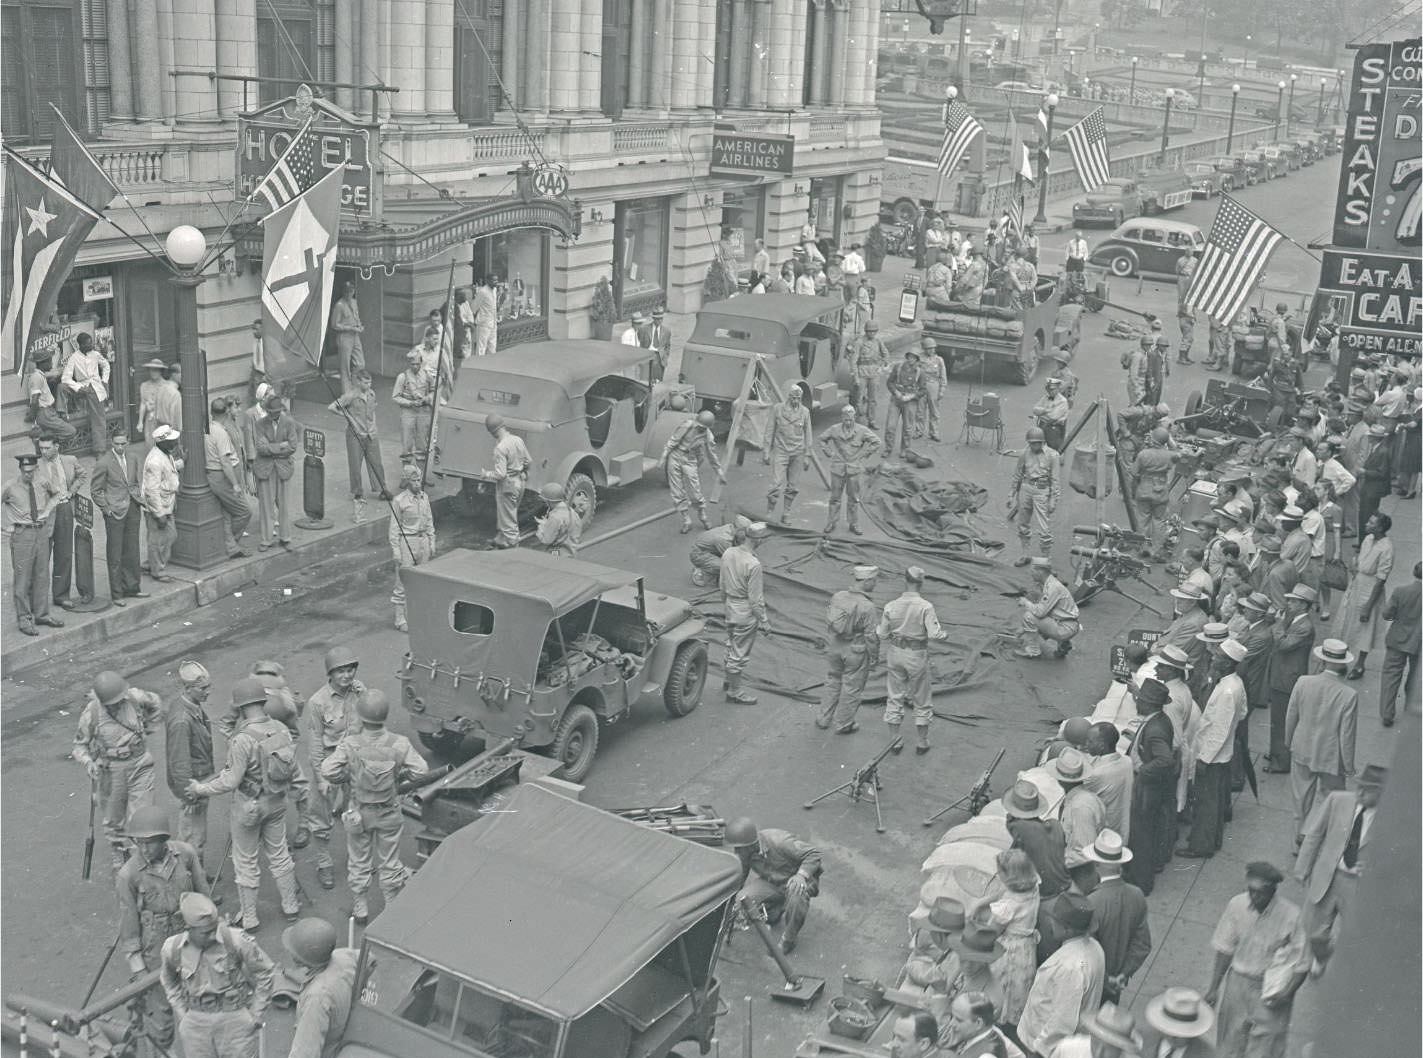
x,y
555,903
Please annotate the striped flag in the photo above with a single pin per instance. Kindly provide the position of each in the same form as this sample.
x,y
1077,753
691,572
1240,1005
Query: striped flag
x,y
1087,140
1042,125
1022,157
960,129
1237,249
294,172
1015,212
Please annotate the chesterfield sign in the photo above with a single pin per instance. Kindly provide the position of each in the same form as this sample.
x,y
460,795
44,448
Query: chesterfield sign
x,y
740,153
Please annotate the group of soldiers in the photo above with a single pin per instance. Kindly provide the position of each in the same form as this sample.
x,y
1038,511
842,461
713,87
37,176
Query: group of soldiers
x,y
214,977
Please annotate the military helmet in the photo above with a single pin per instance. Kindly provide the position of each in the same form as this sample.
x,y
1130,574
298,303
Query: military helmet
x,y
249,691
677,402
1035,433
740,833
1160,436
373,707
149,822
268,668
706,419
339,658
493,422
310,942
109,687
551,492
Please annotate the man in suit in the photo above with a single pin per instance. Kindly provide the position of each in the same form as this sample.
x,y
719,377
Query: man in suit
x,y
277,438
1333,854
1289,660
1320,726
1153,803
1259,642
115,484
1401,646
660,336
970,1032
1178,1022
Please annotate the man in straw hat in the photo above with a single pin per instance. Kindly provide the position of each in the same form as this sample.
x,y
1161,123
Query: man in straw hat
x,y
1119,913
932,965
1177,1024
1068,986
1109,1032
1082,812
1041,839
853,648
1172,665
1289,660
1214,749
1191,605
1153,803
1321,722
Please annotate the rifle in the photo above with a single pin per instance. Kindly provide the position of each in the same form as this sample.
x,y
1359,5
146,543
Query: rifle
x,y
429,778
87,870
864,785
978,795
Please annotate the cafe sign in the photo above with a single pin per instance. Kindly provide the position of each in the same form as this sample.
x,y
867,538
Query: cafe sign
x,y
755,154
1382,300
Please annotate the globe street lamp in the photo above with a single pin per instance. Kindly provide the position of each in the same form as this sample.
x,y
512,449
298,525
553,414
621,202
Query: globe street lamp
x,y
1132,93
196,513
1230,130
1319,114
1290,108
1166,127
1041,216
1279,109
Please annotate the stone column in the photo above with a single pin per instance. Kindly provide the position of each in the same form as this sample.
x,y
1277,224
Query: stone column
x,y
867,71
760,53
590,73
820,52
706,69
778,37
838,10
439,58
237,52
800,26
741,31
513,59
120,64
384,52
565,44
855,55
348,51
660,95
638,54
407,57
686,35
147,61
536,53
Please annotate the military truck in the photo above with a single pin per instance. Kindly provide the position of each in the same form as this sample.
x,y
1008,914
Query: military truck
x,y
1001,332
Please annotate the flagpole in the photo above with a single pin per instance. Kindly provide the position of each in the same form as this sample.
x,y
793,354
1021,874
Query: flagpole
x,y
439,397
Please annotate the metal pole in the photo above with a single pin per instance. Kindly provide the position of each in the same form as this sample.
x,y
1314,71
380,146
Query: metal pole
x,y
1230,130
1132,93
1319,113
1043,148
197,515
1166,129
1290,107
963,49
1279,109
1201,87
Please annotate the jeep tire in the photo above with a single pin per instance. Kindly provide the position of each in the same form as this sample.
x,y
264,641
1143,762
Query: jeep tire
x,y
575,743
582,485
685,679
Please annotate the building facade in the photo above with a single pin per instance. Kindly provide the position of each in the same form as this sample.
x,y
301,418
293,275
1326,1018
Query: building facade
x,y
620,97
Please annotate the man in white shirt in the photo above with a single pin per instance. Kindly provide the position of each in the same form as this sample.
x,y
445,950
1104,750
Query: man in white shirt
x,y
1331,469
634,333
853,263
761,259
86,376
486,317
1068,986
1077,252
1214,750
159,493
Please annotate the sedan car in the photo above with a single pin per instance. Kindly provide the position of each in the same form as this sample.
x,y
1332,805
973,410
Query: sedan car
x,y
1206,179
1279,159
1144,246
1234,172
1261,167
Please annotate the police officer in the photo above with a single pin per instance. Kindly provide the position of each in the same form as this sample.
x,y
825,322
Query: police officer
x,y
907,624
1151,470
850,620
1049,612
510,472
29,503
149,887
372,763
743,595
1051,413
787,451
780,872
330,717
869,359
935,383
112,744
709,546
218,981
1034,492
558,530
411,534
848,445
682,457
905,385
189,750
261,762
325,1000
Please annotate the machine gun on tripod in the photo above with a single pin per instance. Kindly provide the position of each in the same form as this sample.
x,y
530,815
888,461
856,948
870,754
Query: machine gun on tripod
x,y
1105,563
978,795
864,785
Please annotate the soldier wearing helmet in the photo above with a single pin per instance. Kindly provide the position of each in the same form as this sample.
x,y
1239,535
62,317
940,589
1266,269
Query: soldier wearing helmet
x,y
681,459
261,763
325,1000
112,744
149,887
411,535
189,750
414,394
1151,472
510,474
372,763
936,381
1034,494
868,363
558,530
780,874
709,546
330,717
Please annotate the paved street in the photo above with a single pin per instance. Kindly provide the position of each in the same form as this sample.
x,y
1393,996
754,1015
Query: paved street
x,y
761,761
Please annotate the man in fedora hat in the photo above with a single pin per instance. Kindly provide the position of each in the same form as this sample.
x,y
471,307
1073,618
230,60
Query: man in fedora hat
x,y
1068,986
932,965
1289,660
1274,575
1321,721
636,333
853,649
1214,749
1172,666
659,339
1042,839
1192,613
1297,547
1109,1032
1119,919
1177,1024
1259,642
1082,813
1153,804
1332,856
1401,645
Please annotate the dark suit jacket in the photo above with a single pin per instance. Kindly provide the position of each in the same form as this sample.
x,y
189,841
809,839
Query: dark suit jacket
x,y
1290,658
108,488
1194,1049
1403,609
1155,747
270,434
1259,642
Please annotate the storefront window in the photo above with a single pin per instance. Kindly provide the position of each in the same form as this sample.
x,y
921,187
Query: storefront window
x,y
825,208
640,242
743,222
518,261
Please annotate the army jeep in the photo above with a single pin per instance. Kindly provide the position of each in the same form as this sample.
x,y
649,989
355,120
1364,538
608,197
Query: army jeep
x,y
543,650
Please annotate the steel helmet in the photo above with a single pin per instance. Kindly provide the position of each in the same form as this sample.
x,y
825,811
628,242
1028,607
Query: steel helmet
x,y
551,492
1035,433
109,687
677,402
268,668
279,708
1160,436
339,658
373,707
493,422
706,418
740,833
149,822
310,942
249,691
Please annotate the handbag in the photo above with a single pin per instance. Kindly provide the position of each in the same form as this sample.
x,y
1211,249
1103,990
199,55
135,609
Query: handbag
x,y
1335,574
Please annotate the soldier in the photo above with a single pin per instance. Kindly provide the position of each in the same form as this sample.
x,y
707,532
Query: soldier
x,y
971,279
558,529
260,766
936,382
907,624
411,534
743,595
29,504
511,471
905,385
1023,278
847,444
373,762
1158,367
1185,315
709,546
1134,363
853,648
331,717
787,451
682,457
112,744
1151,471
325,1000
282,707
149,887
1051,414
1067,378
869,359
781,875
1052,615
189,750
218,981
1034,494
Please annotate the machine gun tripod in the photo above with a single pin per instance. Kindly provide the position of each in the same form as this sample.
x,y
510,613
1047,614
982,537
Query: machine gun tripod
x,y
864,785
1104,565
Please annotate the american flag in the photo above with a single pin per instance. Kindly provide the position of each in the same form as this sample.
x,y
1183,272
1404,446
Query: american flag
x,y
1237,249
294,172
1087,140
960,128
1015,210
1022,159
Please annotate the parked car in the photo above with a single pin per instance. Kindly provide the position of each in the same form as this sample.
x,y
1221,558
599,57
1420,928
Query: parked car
x,y
1206,179
1308,148
1279,160
1234,172
1147,247
1288,153
1261,166
1182,100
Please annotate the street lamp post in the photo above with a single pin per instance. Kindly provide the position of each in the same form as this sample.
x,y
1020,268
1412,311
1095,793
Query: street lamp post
x,y
196,513
1041,216
1290,107
1279,108
1132,93
1166,127
1319,114
1230,130
1201,88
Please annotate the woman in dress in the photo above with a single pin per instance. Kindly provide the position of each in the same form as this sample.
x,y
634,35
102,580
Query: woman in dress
x,y
1358,622
1016,911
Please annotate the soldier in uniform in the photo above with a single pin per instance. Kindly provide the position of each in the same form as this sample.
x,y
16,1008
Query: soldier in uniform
x,y
112,744
682,458
29,504
1049,612
325,1000
787,451
936,382
709,546
189,750
218,981
1034,494
905,385
1051,414
1023,278
907,624
743,594
373,762
149,887
1219,358
511,470
558,530
1158,367
330,717
848,444
411,534
781,874
853,647
869,359
261,763
1134,363
1151,471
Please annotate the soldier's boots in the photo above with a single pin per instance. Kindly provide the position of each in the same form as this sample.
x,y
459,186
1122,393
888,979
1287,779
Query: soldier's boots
x,y
702,516
325,874
686,524
699,578
734,693
286,886
1030,647
898,746
247,899
302,836
400,623
921,744
360,909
